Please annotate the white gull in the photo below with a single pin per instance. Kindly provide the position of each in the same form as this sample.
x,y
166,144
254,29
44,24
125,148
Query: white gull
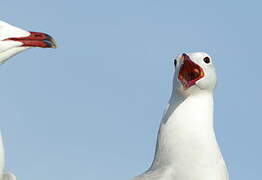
x,y
14,40
186,145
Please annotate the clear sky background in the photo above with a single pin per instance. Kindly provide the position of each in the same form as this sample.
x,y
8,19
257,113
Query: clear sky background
x,y
91,108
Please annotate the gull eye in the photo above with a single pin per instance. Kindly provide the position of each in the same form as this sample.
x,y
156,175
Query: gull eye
x,y
206,60
175,62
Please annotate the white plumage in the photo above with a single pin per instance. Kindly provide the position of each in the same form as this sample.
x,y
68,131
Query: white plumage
x,y
14,40
186,145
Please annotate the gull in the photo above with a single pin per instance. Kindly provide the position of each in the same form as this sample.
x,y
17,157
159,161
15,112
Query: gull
x,y
14,40
187,148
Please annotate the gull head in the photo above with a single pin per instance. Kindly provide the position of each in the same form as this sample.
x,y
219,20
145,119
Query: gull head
x,y
194,72
14,40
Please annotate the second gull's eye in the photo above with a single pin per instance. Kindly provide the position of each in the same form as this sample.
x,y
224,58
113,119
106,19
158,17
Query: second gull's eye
x,y
175,62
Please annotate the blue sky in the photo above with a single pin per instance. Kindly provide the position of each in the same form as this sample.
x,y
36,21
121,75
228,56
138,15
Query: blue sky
x,y
91,108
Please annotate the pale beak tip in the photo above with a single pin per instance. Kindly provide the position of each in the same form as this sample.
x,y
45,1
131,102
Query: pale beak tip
x,y
54,44
50,43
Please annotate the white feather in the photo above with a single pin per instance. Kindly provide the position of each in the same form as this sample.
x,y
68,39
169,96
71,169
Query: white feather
x,y
186,145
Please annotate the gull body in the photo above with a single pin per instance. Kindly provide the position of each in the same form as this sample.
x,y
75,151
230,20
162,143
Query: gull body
x,y
186,145
4,175
14,40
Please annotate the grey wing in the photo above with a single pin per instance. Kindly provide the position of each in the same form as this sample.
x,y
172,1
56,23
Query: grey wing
x,y
9,176
159,174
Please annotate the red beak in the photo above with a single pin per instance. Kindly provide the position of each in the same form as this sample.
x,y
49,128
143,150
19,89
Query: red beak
x,y
189,72
36,39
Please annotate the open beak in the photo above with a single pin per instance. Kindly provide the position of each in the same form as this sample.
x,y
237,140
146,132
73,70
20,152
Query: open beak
x,y
189,72
36,39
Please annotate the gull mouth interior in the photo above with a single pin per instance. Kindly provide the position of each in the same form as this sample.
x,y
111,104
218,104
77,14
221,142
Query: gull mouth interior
x,y
189,72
